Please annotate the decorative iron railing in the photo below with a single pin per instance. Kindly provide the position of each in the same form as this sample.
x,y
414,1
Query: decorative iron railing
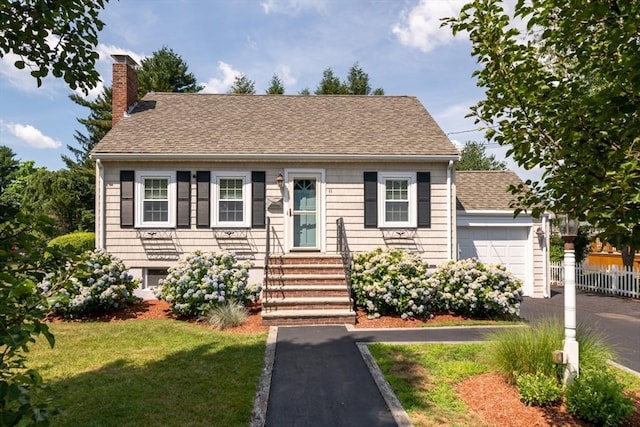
x,y
342,246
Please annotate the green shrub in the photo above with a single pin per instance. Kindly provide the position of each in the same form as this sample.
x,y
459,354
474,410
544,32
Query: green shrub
x,y
538,389
519,351
97,282
203,280
79,241
226,315
391,281
597,397
470,288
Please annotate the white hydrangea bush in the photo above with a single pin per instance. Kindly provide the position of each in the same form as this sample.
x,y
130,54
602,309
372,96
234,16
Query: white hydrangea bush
x,y
97,282
203,280
391,281
473,289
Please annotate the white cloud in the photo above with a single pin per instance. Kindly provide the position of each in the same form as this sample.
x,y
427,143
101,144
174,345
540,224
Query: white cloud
x,y
221,84
292,7
32,136
93,93
20,78
284,72
459,110
420,27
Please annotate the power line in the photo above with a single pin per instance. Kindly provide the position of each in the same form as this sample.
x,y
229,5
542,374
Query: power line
x,y
472,130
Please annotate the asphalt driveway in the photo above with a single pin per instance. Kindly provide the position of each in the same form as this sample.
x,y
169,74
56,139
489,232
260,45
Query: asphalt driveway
x,y
616,319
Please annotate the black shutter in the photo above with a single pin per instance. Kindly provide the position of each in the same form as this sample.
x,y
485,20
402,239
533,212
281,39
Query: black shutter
x,y
184,199
127,180
258,199
424,199
203,179
370,199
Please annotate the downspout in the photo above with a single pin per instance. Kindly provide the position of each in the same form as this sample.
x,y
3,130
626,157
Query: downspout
x,y
450,211
545,258
101,224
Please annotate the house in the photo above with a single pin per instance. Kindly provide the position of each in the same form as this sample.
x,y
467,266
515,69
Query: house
x,y
181,172
487,229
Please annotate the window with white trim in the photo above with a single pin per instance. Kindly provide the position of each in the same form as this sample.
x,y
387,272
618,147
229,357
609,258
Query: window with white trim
x,y
155,199
231,199
397,195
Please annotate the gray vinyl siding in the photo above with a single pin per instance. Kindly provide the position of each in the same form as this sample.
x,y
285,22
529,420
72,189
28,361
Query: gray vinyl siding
x,y
344,197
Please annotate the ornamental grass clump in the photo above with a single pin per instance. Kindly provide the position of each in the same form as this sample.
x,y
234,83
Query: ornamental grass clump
x,y
391,281
227,315
97,282
473,289
204,280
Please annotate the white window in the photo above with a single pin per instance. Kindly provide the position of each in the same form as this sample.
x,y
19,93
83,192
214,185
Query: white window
x,y
231,199
397,195
155,199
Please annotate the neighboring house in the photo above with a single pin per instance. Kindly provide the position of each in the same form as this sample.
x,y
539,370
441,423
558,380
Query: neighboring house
x,y
182,172
487,229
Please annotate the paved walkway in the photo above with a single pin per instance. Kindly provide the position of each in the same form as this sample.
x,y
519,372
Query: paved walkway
x,y
319,376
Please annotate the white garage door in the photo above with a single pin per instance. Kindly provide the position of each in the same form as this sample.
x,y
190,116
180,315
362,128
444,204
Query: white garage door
x,y
497,245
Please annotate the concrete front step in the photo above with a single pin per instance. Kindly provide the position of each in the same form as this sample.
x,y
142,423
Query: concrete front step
x,y
308,317
306,291
307,303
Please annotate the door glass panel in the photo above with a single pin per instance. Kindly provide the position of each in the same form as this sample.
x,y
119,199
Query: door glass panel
x,y
304,194
304,226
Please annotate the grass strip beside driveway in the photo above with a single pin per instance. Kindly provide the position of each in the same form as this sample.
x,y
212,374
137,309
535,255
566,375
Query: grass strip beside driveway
x,y
150,372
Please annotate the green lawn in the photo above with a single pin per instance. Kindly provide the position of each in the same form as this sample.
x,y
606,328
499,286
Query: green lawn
x,y
424,376
153,372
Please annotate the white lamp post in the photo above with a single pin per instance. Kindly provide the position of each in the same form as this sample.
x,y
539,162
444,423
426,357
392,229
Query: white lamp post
x,y
569,231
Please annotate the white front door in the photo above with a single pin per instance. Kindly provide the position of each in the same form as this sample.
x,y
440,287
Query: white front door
x,y
304,212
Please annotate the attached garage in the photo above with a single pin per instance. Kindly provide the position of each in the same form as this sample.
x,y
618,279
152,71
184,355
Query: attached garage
x,y
508,246
487,230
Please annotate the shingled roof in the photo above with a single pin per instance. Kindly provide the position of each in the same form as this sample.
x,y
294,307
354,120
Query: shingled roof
x,y
485,190
212,124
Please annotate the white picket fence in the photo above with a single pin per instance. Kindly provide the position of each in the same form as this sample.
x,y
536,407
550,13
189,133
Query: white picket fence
x,y
612,281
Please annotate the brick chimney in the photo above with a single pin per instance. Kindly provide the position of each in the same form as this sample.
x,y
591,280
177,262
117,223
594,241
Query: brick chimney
x,y
125,86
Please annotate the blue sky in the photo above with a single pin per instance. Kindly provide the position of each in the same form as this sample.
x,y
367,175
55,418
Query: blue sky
x,y
399,43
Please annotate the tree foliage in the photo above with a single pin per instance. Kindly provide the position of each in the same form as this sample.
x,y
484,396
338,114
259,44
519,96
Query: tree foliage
x,y
24,399
165,71
97,124
242,84
275,87
330,84
65,195
473,157
565,98
357,83
53,36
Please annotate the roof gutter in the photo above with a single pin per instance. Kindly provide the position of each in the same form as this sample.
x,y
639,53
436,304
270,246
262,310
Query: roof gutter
x,y
273,157
101,224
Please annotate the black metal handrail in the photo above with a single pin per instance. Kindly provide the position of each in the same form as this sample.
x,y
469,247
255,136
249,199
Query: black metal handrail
x,y
267,253
342,246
